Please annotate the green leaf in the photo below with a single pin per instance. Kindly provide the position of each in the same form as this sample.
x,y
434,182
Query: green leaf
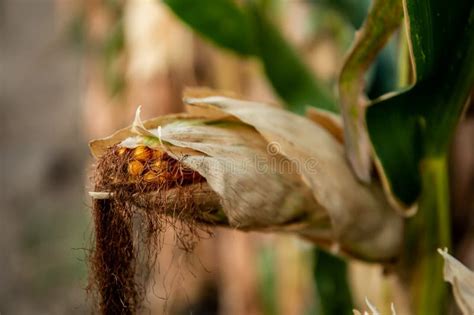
x,y
249,33
419,122
383,19
434,28
411,131
221,21
290,77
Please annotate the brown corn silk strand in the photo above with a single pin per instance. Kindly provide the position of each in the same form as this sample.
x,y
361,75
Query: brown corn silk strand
x,y
129,225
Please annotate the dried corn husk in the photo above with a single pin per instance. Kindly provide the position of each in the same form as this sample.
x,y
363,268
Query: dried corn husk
x,y
462,281
273,170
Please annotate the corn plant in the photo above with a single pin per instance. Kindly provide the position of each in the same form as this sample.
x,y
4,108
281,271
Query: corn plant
x,y
365,179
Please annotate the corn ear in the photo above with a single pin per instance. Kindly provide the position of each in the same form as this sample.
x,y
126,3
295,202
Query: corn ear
x,y
273,170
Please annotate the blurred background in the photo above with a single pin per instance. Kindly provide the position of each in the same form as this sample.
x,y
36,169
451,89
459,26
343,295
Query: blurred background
x,y
72,71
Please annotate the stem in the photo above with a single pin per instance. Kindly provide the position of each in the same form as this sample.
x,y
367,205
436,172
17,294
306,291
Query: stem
x,y
427,231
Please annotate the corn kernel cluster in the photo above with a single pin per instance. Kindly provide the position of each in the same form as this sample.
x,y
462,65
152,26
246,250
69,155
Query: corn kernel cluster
x,y
155,166
147,164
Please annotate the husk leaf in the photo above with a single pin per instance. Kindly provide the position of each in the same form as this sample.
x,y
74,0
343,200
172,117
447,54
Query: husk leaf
x,y
462,281
361,217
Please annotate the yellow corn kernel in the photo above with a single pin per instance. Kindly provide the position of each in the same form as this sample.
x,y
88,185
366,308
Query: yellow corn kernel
x,y
142,153
135,168
153,177
150,176
159,166
122,151
157,154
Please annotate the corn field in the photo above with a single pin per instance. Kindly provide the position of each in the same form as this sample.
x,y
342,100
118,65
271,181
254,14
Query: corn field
x,y
274,157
